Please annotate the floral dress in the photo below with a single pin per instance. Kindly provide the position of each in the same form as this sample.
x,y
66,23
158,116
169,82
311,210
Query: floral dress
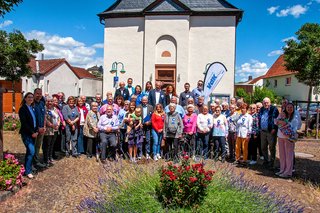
x,y
135,136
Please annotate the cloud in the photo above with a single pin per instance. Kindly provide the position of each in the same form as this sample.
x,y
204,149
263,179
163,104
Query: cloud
x,y
295,11
275,52
75,52
289,38
6,23
99,45
252,68
271,10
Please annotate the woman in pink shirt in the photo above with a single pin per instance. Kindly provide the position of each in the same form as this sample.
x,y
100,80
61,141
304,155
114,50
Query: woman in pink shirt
x,y
189,130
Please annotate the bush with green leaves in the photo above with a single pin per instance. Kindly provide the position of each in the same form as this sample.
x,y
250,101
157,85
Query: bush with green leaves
x,y
11,122
183,185
10,173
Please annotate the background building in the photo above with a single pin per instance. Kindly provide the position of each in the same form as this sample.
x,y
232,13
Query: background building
x,y
57,75
284,83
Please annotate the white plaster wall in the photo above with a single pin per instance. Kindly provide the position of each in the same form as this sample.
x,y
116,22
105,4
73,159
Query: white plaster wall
x,y
123,41
90,87
62,79
166,43
176,27
212,39
295,91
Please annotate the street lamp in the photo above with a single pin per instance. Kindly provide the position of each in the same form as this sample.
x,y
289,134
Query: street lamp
x,y
206,68
114,70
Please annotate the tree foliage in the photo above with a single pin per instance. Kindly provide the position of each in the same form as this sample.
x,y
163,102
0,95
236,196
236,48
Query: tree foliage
x,y
7,5
15,54
303,55
258,95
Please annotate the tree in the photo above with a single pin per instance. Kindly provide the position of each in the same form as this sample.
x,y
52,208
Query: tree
x,y
7,5
15,54
302,56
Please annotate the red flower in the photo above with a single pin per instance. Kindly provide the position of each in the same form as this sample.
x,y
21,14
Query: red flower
x,y
187,168
193,179
186,157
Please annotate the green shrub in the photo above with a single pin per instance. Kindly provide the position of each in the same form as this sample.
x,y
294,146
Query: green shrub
x,y
11,122
10,173
183,185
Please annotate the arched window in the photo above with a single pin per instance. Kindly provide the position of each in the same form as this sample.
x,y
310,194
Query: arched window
x,y
166,54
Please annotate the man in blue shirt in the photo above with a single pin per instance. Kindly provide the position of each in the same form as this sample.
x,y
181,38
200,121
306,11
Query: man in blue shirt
x,y
178,109
40,112
268,131
198,92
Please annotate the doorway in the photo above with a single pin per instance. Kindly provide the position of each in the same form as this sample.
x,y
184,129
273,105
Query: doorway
x,y
166,74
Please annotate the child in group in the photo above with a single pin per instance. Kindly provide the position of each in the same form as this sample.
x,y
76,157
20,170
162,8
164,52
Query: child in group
x,y
135,133
286,128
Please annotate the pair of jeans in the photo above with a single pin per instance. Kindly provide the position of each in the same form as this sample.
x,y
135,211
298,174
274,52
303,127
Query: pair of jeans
x,y
157,138
80,145
232,144
252,148
220,143
71,140
202,144
29,144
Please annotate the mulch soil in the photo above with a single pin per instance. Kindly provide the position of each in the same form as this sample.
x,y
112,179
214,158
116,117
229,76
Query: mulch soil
x,y
61,187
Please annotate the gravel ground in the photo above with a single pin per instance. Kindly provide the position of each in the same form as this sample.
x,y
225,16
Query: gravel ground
x,y
61,188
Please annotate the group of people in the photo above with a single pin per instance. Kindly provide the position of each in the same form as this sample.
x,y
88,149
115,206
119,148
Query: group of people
x,y
157,123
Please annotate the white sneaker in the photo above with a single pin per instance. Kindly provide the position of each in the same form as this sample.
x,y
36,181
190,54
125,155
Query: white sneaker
x,y
261,158
158,156
155,158
147,156
139,158
253,162
278,173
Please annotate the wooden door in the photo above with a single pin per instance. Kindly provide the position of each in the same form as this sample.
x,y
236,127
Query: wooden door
x,y
166,74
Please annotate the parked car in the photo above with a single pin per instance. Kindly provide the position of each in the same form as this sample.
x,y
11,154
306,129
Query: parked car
x,y
312,110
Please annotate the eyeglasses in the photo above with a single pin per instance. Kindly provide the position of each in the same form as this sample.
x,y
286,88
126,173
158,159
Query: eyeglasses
x,y
218,110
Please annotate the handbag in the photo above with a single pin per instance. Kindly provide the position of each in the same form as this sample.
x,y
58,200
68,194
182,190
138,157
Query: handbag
x,y
163,142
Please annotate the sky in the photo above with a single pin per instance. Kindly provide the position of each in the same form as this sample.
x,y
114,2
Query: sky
x,y
71,29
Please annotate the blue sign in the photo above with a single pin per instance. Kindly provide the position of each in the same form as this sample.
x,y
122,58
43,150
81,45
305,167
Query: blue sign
x,y
115,78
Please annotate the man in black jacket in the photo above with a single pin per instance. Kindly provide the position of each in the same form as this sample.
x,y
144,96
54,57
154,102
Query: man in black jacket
x,y
157,96
268,131
122,91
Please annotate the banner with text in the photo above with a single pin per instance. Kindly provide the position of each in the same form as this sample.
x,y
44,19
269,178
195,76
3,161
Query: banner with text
x,y
213,76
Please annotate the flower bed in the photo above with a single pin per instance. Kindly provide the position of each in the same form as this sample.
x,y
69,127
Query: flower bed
x,y
11,173
11,122
135,188
183,185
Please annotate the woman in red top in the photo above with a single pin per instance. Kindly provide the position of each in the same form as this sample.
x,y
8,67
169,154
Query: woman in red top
x,y
157,121
83,111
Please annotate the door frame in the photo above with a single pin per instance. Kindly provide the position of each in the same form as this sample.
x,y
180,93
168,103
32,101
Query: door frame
x,y
167,67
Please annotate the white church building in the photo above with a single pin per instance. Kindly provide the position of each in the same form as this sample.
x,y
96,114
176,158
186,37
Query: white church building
x,y
172,41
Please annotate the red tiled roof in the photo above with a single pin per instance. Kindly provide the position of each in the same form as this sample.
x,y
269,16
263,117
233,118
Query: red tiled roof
x,y
255,80
49,65
278,69
46,65
82,73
